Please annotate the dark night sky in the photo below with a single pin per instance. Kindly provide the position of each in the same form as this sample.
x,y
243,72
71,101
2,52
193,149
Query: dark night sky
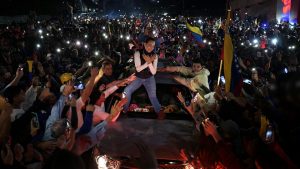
x,y
188,7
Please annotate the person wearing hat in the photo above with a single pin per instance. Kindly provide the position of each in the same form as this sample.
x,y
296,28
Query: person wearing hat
x,y
65,77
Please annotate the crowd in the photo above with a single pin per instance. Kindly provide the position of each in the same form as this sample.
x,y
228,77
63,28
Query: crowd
x,y
57,79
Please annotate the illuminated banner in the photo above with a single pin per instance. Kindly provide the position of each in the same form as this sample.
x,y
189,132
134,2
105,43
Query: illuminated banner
x,y
288,10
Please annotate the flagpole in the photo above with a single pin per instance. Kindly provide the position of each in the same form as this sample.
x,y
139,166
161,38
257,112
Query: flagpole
x,y
220,69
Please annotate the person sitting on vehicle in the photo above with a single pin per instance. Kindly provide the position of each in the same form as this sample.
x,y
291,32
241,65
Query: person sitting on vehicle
x,y
199,80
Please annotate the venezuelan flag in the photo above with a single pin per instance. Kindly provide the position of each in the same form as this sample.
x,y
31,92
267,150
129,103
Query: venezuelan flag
x,y
233,77
228,55
196,32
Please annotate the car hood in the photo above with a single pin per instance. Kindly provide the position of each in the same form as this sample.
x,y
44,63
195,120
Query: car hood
x,y
166,137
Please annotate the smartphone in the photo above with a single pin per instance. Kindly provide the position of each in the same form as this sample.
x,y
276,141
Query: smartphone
x,y
247,81
269,135
20,67
123,95
79,86
222,78
70,96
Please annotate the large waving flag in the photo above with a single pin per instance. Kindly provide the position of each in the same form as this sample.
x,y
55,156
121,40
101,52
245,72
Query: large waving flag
x,y
196,32
228,54
232,73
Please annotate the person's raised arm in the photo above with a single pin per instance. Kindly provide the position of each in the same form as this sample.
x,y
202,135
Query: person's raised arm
x,y
122,81
16,80
182,101
98,77
57,110
116,110
90,85
211,129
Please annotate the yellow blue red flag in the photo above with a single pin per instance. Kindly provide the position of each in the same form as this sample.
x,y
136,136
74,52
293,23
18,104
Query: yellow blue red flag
x,y
196,32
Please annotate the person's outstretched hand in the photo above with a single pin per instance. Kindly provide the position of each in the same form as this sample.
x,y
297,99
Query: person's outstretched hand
x,y
7,155
180,98
18,152
162,69
131,78
122,83
19,73
94,72
147,158
116,110
211,129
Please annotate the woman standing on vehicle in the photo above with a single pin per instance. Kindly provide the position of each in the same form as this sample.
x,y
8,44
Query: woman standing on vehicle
x,y
145,62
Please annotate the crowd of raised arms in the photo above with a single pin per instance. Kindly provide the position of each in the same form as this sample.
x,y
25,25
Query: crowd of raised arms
x,y
56,77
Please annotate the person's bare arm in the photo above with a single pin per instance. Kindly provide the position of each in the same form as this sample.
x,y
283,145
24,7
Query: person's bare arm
x,y
182,100
98,77
89,86
116,110
126,81
16,80
153,65
137,62
211,129
185,82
